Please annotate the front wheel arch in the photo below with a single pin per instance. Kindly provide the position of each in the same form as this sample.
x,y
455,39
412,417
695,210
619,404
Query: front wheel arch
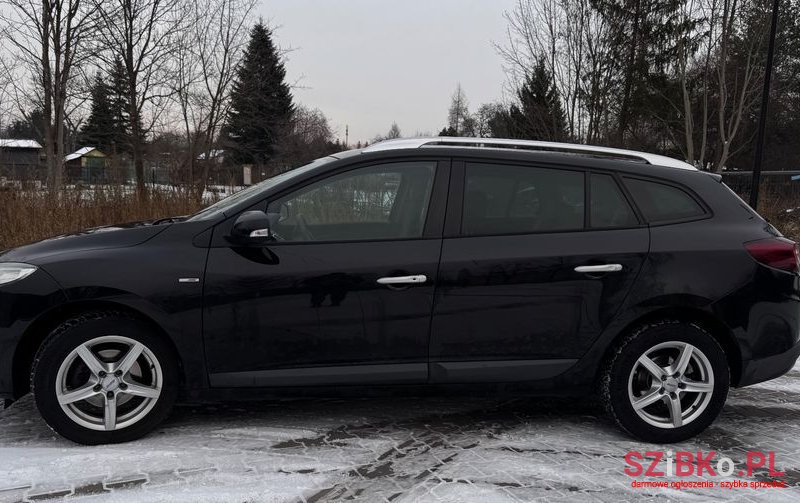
x,y
35,335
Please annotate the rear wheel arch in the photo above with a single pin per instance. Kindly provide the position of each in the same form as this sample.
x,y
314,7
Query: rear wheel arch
x,y
37,333
703,319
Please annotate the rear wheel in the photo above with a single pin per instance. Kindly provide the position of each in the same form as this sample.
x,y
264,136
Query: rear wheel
x,y
666,382
104,378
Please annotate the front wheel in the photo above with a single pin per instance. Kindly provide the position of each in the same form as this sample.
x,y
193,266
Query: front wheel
x,y
666,382
104,378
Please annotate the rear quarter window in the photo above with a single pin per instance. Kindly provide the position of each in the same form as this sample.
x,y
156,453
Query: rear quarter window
x,y
660,202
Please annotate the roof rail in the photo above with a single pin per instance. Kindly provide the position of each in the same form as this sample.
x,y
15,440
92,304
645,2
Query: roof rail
x,y
543,146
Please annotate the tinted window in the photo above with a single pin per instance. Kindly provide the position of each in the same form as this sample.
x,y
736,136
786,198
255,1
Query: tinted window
x,y
380,202
660,202
609,207
518,199
223,205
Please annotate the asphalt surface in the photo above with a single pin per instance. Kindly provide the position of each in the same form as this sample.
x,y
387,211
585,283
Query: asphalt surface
x,y
399,450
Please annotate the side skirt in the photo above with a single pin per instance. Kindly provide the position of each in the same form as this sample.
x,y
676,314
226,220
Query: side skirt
x,y
400,373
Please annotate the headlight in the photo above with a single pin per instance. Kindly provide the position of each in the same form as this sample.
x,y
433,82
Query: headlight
x,y
12,271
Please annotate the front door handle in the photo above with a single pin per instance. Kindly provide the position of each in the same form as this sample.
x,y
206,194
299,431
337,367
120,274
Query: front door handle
x,y
403,280
599,268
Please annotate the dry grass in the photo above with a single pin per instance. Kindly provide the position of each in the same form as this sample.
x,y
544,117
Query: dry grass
x,y
31,215
773,207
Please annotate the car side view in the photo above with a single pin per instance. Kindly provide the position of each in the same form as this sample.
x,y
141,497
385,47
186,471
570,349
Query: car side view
x,y
539,268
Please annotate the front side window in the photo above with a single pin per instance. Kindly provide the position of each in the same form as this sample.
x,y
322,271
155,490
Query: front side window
x,y
660,202
378,202
500,199
223,206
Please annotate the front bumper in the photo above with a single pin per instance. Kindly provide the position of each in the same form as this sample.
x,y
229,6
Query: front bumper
x,y
22,303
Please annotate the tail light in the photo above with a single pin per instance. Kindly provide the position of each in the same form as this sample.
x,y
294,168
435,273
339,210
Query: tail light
x,y
779,253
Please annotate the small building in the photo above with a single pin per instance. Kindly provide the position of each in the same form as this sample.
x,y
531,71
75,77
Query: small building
x,y
216,156
21,159
221,169
87,165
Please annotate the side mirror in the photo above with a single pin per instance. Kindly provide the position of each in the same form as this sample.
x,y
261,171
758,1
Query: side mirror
x,y
252,228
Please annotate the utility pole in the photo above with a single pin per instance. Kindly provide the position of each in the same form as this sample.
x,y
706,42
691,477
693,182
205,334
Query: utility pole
x,y
762,120
346,136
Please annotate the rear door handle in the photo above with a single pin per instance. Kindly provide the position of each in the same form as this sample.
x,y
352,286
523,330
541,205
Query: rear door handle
x,y
599,268
403,280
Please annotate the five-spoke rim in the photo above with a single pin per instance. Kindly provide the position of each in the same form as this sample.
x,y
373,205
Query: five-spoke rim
x,y
671,384
109,383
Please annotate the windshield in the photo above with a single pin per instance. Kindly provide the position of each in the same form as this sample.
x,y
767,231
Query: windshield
x,y
222,205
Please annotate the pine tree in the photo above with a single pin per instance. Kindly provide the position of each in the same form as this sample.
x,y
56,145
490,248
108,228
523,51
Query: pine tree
x,y
643,37
100,127
261,102
107,127
540,115
122,141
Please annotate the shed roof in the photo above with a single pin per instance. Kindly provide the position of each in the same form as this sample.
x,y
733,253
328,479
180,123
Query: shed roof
x,y
82,152
11,143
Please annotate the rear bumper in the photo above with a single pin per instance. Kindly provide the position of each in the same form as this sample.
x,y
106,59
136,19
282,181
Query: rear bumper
x,y
764,369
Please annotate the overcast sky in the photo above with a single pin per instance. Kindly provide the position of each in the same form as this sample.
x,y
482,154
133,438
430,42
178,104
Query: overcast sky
x,y
367,63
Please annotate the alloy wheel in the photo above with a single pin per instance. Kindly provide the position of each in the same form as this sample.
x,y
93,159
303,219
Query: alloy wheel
x,y
671,384
109,383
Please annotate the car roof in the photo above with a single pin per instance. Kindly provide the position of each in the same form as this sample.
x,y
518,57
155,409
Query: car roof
x,y
483,144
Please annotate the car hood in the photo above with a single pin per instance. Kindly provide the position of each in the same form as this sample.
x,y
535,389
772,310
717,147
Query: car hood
x,y
109,236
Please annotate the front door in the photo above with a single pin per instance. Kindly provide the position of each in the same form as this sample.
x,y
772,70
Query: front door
x,y
345,292
529,276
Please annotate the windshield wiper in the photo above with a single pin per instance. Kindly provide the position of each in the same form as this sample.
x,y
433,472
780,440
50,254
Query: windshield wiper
x,y
170,220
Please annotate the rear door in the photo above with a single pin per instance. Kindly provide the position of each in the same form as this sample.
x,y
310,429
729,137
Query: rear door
x,y
535,263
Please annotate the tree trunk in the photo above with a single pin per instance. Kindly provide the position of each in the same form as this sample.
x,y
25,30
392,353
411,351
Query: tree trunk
x,y
624,112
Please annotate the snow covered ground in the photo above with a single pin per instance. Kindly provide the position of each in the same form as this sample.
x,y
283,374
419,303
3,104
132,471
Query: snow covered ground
x,y
399,449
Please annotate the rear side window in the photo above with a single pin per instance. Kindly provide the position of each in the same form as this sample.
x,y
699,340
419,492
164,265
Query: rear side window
x,y
609,207
501,199
661,203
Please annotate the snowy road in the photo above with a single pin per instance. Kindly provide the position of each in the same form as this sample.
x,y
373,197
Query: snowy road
x,y
400,450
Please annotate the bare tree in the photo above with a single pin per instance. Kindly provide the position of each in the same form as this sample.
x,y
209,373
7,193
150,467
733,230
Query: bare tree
x,y
483,118
143,35
572,39
6,80
392,134
311,137
51,39
207,57
739,79
459,120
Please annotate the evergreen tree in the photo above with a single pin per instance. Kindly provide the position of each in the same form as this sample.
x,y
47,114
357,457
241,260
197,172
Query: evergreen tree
x,y
99,130
108,128
539,115
261,101
644,37
500,124
29,127
122,141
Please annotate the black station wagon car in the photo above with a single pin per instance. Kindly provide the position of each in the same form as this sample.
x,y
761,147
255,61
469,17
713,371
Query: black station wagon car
x,y
535,267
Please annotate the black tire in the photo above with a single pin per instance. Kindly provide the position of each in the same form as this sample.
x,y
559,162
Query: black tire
x,y
84,328
617,375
